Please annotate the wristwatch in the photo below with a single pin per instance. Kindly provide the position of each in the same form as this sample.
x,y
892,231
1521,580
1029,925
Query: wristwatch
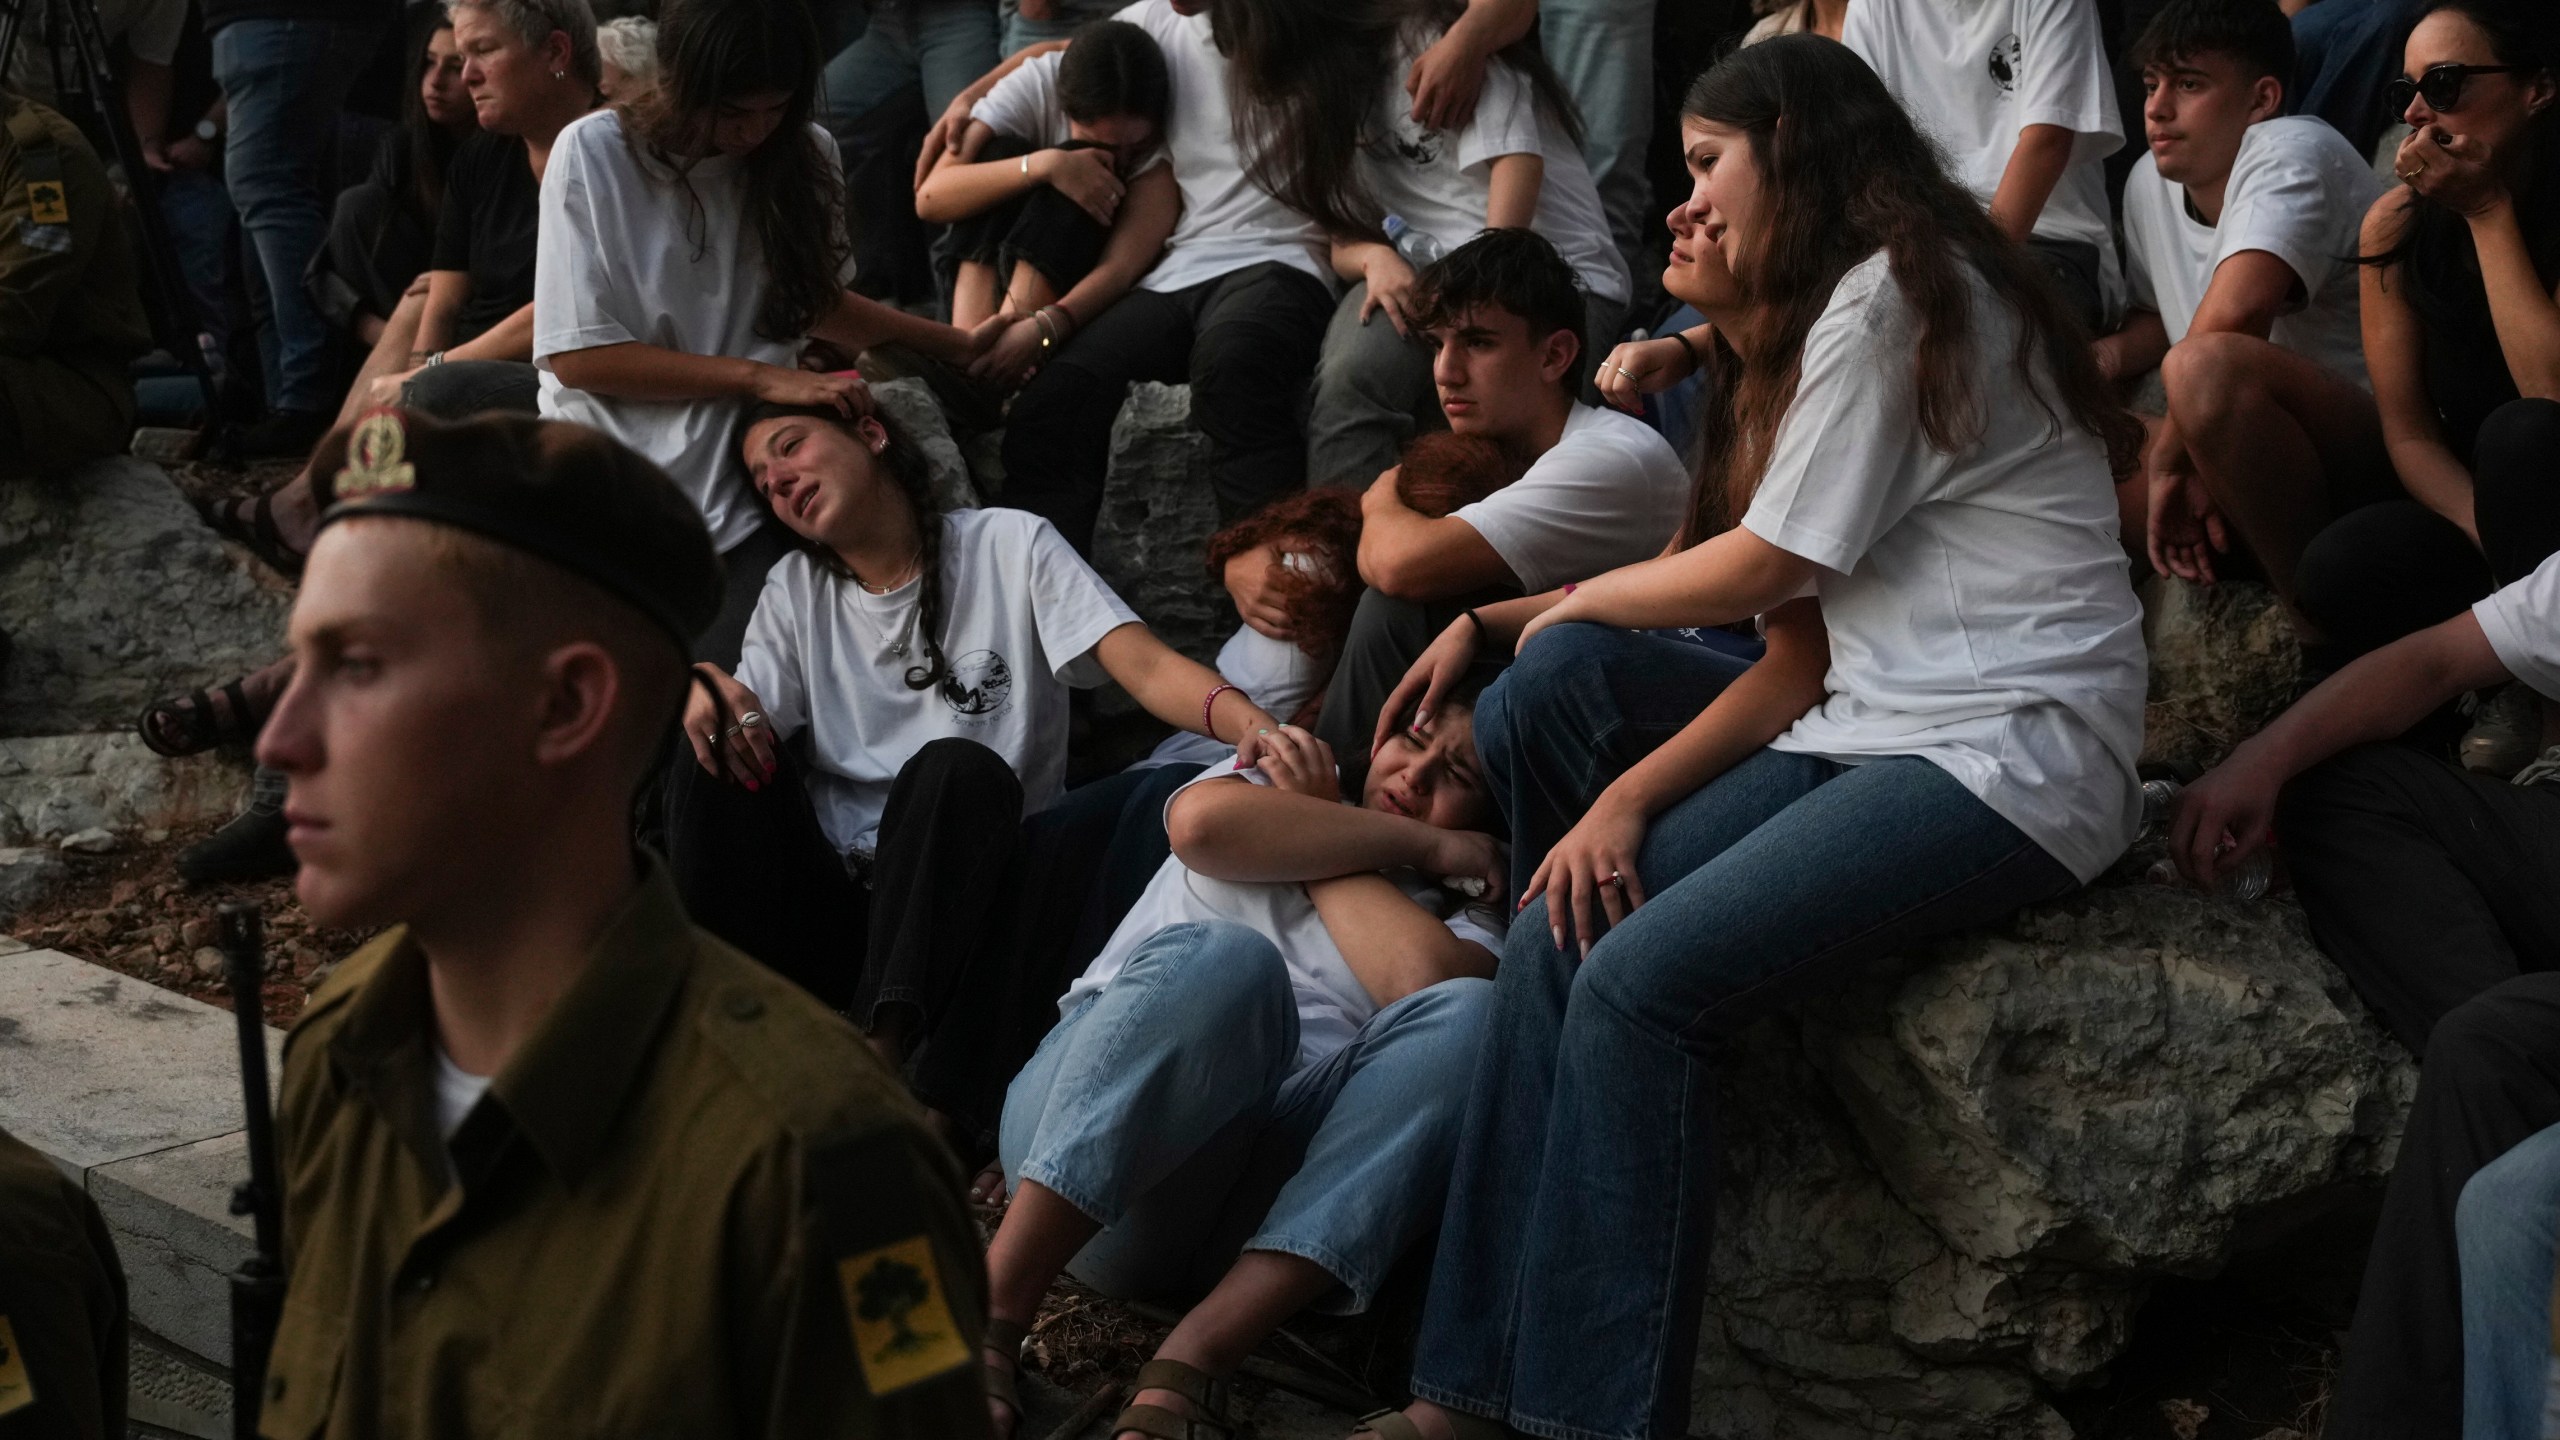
x,y
207,131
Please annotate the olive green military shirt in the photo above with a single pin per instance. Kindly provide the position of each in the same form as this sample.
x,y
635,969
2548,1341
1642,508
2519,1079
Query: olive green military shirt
x,y
70,314
692,1205
62,1307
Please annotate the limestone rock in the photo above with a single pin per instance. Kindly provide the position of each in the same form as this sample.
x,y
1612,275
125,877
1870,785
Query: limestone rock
x,y
54,786
1158,513
113,593
1949,1186
2223,663
911,405
27,875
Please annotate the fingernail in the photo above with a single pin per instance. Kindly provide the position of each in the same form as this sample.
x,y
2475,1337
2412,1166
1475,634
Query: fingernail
x,y
752,785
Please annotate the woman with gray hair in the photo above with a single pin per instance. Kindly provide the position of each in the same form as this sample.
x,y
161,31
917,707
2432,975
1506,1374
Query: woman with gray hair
x,y
630,48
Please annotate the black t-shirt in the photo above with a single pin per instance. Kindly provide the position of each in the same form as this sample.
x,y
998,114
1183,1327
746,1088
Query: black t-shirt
x,y
491,208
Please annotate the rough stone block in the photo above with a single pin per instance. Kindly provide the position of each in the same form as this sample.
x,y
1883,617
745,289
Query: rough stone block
x,y
910,403
1158,513
27,875
2223,663
55,786
114,593
171,1214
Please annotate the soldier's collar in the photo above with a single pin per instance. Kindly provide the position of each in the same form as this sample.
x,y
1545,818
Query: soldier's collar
x,y
564,1089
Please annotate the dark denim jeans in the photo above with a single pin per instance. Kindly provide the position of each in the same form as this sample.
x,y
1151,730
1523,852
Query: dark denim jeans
x,y
1579,707
1565,1296
285,81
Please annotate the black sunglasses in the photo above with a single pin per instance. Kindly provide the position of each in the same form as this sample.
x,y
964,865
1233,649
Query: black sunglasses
x,y
2442,85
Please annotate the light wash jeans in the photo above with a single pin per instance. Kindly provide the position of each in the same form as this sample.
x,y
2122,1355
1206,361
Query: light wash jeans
x,y
1603,51
285,81
1164,1108
1566,1291
942,45
1064,17
1374,393
2507,1231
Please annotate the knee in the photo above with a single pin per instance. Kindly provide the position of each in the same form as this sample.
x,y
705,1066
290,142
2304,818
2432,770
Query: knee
x,y
953,766
1223,968
2510,1205
2488,1041
2514,449
1561,667
2211,377
2356,780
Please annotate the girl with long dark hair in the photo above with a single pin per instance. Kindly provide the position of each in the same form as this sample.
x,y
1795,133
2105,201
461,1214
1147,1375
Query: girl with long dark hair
x,y
1916,451
921,662
2461,308
687,254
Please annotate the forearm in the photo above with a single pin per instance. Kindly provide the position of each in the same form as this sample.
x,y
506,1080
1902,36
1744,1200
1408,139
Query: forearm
x,y
146,100
509,339
2527,319
1394,946
1137,238
2378,697
2034,168
2435,478
1412,556
634,371
1755,709
2136,349
1488,25
1351,257
958,190
1511,199
1732,577
1235,830
859,322
1176,689
446,292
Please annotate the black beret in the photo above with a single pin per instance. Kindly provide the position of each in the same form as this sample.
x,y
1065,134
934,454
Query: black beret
x,y
564,493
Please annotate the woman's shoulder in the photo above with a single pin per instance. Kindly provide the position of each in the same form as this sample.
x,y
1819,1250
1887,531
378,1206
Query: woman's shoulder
x,y
593,138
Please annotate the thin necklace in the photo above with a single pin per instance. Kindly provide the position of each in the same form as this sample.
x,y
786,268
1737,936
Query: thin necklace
x,y
898,646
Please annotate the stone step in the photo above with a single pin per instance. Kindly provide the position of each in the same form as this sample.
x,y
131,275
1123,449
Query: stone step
x,y
135,1092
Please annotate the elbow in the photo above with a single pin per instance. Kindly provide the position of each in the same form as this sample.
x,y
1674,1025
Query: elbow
x,y
1402,573
576,370
1199,832
933,208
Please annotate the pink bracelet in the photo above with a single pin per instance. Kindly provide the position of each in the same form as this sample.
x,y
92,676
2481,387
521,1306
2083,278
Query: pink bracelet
x,y
1210,704
1571,585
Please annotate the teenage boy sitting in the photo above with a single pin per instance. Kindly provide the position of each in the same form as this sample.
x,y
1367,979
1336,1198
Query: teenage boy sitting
x,y
2430,887
1253,1098
2019,95
2240,231
1598,490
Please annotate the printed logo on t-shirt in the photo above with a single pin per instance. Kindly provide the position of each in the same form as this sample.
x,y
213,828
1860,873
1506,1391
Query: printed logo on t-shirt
x,y
979,685
2004,63
1413,144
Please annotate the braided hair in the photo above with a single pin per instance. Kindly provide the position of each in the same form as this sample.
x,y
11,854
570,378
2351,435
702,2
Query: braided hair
x,y
907,465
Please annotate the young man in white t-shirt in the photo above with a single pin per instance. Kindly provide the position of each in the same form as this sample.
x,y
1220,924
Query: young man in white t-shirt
x,y
1237,307
2430,886
1599,489
2240,230
2019,95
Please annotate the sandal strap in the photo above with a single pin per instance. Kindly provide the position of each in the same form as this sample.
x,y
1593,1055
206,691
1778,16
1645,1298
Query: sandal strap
x,y
1190,1382
1163,1424
1005,1335
1003,1386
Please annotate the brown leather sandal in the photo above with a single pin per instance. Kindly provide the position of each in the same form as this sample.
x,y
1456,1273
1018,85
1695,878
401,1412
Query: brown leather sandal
x,y
1202,1389
1003,1386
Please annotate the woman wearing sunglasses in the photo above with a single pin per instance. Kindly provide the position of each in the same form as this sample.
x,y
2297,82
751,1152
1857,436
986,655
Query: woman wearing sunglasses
x,y
2461,336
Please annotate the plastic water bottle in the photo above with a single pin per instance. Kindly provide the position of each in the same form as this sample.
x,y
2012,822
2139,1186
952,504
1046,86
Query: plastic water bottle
x,y
1418,249
2248,881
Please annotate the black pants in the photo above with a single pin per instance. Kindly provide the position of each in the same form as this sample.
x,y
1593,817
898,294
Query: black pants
x,y
2491,1081
1246,342
973,921
2388,570
890,245
1041,228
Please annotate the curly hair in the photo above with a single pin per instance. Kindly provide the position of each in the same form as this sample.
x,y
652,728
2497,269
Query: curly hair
x,y
1320,590
1444,472
1847,175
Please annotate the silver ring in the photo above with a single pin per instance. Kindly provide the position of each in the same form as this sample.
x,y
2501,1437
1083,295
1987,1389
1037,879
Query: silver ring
x,y
751,719
1617,879
732,730
1623,370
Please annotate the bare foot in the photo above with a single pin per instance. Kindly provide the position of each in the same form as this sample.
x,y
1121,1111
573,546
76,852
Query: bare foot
x,y
988,1187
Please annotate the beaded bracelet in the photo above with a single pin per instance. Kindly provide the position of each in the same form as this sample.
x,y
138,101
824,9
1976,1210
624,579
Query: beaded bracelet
x,y
1211,704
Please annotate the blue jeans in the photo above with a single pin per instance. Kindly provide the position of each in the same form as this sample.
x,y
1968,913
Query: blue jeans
x,y
285,81
1064,18
2344,52
941,44
1603,50
1164,1109
2507,1228
1581,705
1565,1295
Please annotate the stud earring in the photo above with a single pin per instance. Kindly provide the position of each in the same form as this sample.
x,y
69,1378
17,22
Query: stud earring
x,y
559,74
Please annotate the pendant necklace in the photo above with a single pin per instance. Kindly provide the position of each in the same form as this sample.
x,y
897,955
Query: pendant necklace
x,y
897,647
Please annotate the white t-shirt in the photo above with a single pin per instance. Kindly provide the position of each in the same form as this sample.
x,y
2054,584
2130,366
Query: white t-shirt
x,y
1974,73
1332,1004
620,257
1228,222
457,1090
1025,105
1980,613
2522,622
1022,613
1609,493
1276,674
2298,191
1440,182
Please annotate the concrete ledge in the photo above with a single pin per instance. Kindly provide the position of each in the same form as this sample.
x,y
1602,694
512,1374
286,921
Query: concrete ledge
x,y
134,1091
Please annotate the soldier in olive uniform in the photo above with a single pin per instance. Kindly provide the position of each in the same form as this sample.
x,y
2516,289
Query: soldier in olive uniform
x,y
556,1162
62,1306
70,318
